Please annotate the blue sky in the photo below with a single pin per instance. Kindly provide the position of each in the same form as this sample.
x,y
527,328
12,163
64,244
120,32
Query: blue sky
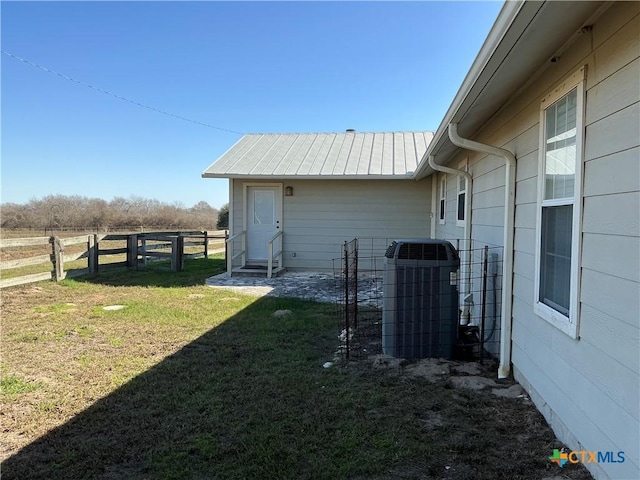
x,y
242,66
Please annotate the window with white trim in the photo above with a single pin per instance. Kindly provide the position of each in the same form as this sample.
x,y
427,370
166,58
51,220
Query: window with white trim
x,y
462,195
443,199
559,204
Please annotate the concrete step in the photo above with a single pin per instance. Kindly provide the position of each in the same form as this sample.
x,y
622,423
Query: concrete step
x,y
255,271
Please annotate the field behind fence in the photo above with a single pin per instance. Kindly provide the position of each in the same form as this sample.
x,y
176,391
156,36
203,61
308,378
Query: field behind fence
x,y
27,259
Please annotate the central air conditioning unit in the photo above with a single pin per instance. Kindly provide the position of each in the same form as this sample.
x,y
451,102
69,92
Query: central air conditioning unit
x,y
420,308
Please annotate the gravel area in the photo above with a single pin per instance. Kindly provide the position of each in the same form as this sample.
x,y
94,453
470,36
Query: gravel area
x,y
321,287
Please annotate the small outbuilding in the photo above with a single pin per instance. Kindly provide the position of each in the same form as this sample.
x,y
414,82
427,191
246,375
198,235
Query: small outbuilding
x,y
294,199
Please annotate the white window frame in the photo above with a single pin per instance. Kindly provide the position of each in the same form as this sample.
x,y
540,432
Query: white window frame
x,y
568,324
464,165
442,202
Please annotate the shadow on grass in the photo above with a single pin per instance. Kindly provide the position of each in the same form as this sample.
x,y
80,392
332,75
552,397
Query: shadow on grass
x,y
195,272
211,410
249,399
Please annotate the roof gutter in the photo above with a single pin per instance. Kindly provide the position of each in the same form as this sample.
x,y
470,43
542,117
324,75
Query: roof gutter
x,y
504,369
510,10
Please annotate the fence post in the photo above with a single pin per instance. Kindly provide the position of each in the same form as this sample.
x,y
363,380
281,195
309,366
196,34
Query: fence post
x,y
132,251
177,254
58,258
52,257
180,253
91,252
206,244
346,295
174,254
355,284
485,272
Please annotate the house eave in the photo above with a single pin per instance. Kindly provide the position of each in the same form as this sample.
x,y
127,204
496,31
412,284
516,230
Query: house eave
x,y
408,176
516,50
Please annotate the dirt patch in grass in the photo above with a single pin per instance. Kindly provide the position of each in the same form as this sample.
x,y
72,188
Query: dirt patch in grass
x,y
471,432
476,427
189,382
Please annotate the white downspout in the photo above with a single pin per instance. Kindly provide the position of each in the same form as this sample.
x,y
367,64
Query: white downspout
x,y
466,283
504,369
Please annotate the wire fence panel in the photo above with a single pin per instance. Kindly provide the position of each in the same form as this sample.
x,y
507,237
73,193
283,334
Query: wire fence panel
x,y
480,292
410,308
351,283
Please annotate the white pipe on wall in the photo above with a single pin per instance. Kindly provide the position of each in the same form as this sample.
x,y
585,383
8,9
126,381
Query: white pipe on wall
x,y
465,268
504,369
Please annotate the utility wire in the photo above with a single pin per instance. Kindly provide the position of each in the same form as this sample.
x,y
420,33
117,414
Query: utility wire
x,y
61,75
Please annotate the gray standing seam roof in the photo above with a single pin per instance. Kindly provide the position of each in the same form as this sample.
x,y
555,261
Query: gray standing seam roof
x,y
323,155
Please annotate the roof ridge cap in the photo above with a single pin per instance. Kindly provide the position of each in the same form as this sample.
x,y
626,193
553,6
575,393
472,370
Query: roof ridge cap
x,y
339,133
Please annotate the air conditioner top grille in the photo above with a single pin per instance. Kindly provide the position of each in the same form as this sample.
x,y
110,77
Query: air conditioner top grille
x,y
421,251
432,250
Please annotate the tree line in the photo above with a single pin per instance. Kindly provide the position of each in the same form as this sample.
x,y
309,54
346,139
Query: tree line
x,y
74,211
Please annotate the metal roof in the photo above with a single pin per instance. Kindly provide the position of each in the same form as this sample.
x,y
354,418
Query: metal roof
x,y
323,155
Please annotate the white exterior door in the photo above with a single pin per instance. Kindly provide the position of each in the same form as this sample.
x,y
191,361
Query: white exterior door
x,y
264,207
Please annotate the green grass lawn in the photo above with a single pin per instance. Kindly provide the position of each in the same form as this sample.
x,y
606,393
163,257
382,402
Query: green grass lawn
x,y
191,382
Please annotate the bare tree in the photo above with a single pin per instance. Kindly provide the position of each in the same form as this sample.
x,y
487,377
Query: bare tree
x,y
57,211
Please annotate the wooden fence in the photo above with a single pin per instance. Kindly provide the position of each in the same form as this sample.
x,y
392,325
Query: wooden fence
x,y
140,250
25,262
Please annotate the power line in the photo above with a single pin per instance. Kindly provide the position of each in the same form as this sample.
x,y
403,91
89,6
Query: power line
x,y
66,77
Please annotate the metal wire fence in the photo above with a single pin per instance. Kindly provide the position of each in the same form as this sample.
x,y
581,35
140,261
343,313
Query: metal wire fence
x,y
418,308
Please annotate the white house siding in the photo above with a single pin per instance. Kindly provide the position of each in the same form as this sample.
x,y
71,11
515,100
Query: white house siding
x,y
588,389
322,214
